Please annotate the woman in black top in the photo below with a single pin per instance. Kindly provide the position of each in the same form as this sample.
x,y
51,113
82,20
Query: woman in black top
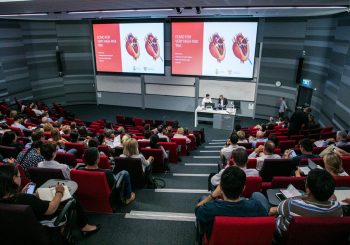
x,y
10,139
10,182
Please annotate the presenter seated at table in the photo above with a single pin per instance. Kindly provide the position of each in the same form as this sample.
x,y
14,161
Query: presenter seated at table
x,y
206,99
222,102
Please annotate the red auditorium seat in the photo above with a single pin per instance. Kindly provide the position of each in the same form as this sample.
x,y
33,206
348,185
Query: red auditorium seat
x,y
275,167
40,175
318,150
104,163
282,137
251,163
286,144
297,137
342,181
181,142
172,148
24,178
259,144
17,131
242,231
245,145
327,135
318,161
158,163
138,121
66,158
283,182
143,144
346,163
78,146
320,231
134,167
252,184
104,149
94,197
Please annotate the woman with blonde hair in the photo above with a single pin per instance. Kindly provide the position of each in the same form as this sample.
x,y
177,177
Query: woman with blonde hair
x,y
333,165
241,137
131,150
57,138
181,134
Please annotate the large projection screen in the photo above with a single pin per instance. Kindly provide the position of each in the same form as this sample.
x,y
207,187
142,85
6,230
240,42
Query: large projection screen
x,y
218,49
136,48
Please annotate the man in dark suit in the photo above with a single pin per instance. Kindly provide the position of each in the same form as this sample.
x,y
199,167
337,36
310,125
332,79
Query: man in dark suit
x,y
222,102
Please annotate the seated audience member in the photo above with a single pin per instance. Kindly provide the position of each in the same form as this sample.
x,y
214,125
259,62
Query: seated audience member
x,y
259,138
131,150
35,109
306,152
47,127
147,134
10,139
264,152
231,145
312,123
10,182
340,140
180,135
13,114
237,128
240,159
48,151
73,126
109,128
153,143
316,202
162,132
82,131
274,139
18,123
299,120
65,130
31,157
241,137
169,130
333,164
74,137
231,187
117,141
59,141
92,158
37,135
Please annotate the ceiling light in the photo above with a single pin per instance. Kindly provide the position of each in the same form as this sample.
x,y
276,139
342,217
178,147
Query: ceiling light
x,y
118,11
7,1
19,15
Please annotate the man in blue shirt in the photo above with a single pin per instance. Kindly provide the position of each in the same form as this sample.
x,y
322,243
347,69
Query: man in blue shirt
x,y
231,187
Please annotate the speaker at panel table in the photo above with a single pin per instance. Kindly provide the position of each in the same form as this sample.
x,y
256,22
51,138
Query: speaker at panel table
x,y
207,102
222,103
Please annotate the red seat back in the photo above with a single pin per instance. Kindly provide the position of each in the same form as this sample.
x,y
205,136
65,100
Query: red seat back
x,y
242,230
78,146
137,121
93,190
24,179
251,163
259,144
318,150
275,167
66,158
158,164
318,161
104,149
143,144
17,131
324,230
181,142
342,181
283,182
104,163
172,148
40,175
286,144
297,137
346,163
252,184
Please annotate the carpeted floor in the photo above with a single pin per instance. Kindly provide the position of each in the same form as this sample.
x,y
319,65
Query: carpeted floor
x,y
116,228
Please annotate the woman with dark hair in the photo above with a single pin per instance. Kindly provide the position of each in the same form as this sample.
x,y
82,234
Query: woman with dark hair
x,y
153,143
10,182
10,139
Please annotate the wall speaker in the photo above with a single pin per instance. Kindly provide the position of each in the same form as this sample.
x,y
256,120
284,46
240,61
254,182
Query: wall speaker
x,y
299,71
59,62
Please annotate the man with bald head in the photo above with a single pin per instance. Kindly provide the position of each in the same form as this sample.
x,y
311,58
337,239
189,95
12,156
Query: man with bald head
x,y
260,137
264,152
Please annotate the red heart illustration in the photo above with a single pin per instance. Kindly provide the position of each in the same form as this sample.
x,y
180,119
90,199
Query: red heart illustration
x,y
217,47
132,46
152,46
240,47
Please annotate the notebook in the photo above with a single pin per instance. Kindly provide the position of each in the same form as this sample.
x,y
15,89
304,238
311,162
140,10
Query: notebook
x,y
341,195
47,194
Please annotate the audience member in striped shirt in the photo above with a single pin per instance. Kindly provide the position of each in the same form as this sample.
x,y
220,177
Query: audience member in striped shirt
x,y
318,201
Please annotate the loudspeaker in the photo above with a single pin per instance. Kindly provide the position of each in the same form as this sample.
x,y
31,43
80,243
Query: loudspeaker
x,y
59,62
299,71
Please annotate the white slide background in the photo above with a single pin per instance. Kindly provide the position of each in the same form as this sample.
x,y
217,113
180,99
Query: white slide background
x,y
231,66
145,63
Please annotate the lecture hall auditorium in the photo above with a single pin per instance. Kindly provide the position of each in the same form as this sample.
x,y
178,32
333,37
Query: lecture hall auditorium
x,y
174,122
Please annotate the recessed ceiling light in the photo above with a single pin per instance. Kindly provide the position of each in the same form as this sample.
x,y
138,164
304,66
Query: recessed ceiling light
x,y
6,1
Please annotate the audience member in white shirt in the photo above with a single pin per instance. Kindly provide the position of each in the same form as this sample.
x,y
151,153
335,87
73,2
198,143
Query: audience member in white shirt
x,y
259,138
231,145
264,152
48,151
18,124
240,159
161,131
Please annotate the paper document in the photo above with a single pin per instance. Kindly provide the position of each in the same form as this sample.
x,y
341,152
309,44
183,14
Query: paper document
x,y
47,194
291,191
341,195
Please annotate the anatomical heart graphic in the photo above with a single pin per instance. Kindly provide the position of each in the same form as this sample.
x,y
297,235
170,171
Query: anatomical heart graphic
x,y
217,47
132,46
240,48
152,46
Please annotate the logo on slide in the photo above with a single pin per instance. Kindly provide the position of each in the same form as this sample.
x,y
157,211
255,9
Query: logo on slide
x,y
217,47
152,46
240,48
132,46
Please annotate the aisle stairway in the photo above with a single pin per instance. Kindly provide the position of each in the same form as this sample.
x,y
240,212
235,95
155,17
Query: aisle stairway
x,y
162,216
